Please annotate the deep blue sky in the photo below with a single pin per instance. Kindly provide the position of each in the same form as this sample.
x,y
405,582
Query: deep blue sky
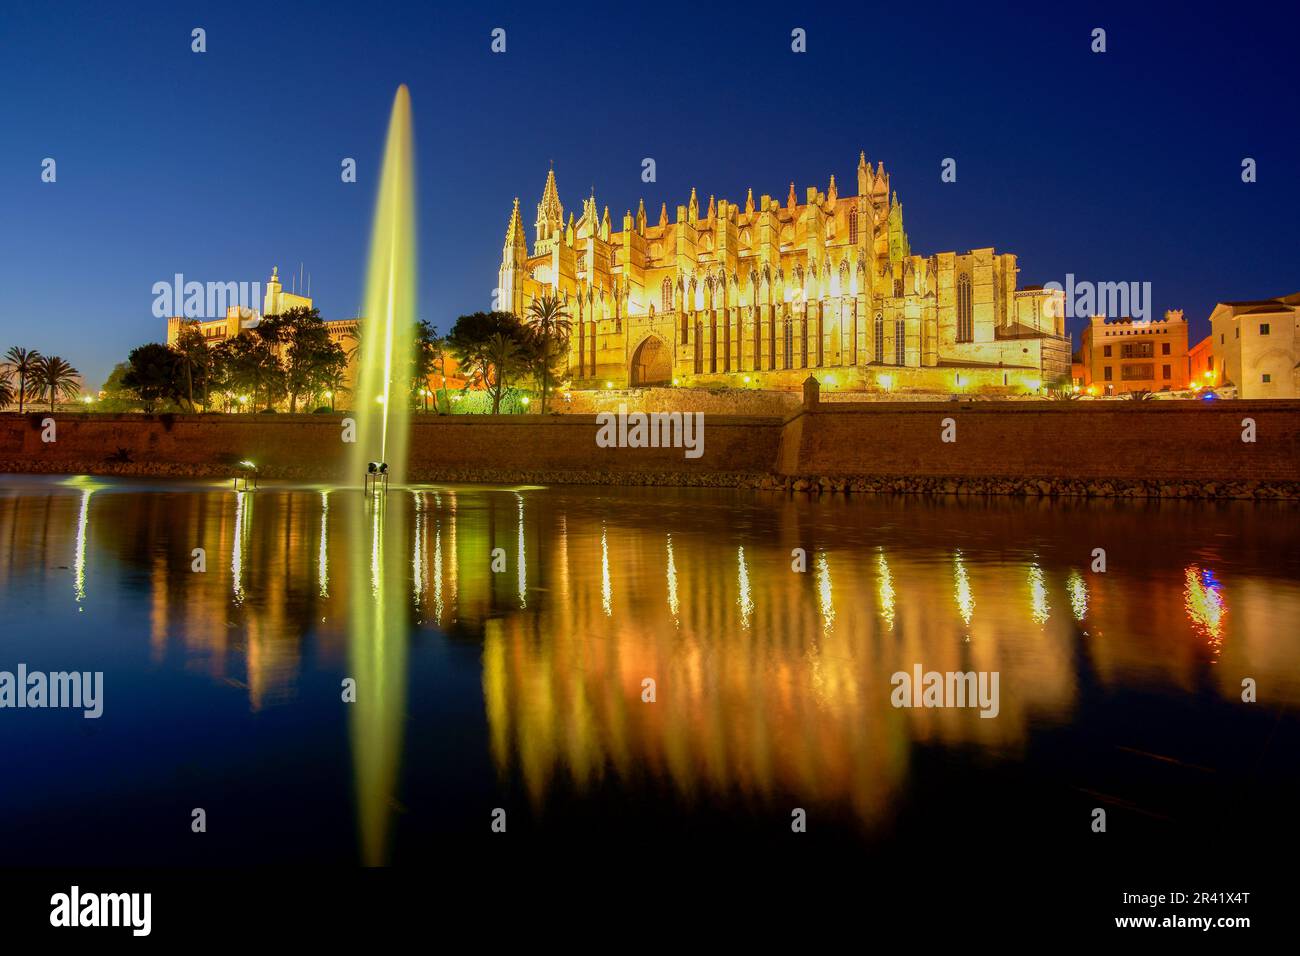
x,y
1116,167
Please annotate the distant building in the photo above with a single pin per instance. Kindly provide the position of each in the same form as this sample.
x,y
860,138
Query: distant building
x,y
1201,367
1255,346
277,302
1126,355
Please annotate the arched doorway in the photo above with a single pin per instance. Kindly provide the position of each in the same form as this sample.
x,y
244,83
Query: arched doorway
x,y
652,363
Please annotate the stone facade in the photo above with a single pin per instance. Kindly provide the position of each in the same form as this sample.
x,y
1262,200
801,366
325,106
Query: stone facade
x,y
1256,346
757,293
1129,355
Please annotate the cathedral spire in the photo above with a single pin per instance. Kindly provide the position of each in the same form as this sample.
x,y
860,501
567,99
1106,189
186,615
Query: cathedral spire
x,y
791,200
640,217
749,202
515,229
550,212
864,174
693,209
663,216
713,210
832,193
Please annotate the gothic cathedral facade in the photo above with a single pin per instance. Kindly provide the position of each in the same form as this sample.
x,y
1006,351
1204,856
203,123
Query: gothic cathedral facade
x,y
762,294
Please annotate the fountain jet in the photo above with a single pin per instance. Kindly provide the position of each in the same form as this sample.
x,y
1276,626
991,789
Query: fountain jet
x,y
381,402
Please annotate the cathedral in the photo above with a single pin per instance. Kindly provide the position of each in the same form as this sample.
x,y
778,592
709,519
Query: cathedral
x,y
762,293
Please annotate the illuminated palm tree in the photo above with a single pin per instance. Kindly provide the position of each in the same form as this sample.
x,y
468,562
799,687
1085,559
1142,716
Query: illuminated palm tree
x,y
548,320
22,362
56,378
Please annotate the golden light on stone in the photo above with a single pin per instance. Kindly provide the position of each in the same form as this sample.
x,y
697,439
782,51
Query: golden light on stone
x,y
723,290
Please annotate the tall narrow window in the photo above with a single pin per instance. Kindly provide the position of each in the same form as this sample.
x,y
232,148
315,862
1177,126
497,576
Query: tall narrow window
x,y
789,343
713,341
699,347
853,226
666,301
803,340
965,314
880,339
900,342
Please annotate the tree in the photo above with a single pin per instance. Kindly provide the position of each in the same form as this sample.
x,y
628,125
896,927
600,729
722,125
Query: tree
x,y
155,375
251,366
423,357
440,349
307,349
57,378
6,387
22,363
195,360
550,325
491,347
117,397
508,358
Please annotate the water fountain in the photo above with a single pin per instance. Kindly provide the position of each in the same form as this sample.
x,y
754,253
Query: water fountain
x,y
380,404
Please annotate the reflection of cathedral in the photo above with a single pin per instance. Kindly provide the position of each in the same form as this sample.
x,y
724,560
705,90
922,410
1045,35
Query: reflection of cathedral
x,y
762,292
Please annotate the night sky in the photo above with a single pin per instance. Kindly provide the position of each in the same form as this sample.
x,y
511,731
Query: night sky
x,y
1123,166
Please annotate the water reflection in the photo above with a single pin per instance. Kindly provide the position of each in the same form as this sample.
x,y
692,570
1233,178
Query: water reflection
x,y
771,685
1206,608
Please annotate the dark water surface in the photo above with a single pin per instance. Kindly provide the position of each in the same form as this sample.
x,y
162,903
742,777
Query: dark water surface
x,y
522,689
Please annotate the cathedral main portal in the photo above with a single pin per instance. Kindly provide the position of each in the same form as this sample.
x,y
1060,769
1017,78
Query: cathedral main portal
x,y
652,363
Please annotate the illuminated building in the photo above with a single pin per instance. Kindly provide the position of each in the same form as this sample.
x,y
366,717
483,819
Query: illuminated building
x,y
1127,355
1256,346
771,290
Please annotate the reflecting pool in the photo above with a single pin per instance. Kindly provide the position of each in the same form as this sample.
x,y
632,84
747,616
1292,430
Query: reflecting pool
x,y
334,678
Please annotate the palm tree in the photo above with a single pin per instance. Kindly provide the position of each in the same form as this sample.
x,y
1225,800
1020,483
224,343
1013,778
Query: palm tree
x,y
354,350
548,319
193,352
22,362
57,378
6,387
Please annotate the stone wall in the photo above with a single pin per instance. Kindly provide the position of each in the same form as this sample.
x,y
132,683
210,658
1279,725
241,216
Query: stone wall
x,y
1166,448
1165,440
468,447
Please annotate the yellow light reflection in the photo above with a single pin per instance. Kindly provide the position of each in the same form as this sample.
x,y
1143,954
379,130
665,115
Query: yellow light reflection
x,y
1038,595
243,505
745,600
79,564
520,559
672,583
323,560
965,600
417,550
886,586
1206,608
1078,589
606,589
824,591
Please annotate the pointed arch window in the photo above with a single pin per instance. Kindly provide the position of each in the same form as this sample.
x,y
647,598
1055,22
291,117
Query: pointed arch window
x,y
965,310
880,339
853,226
666,299
900,342
789,342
